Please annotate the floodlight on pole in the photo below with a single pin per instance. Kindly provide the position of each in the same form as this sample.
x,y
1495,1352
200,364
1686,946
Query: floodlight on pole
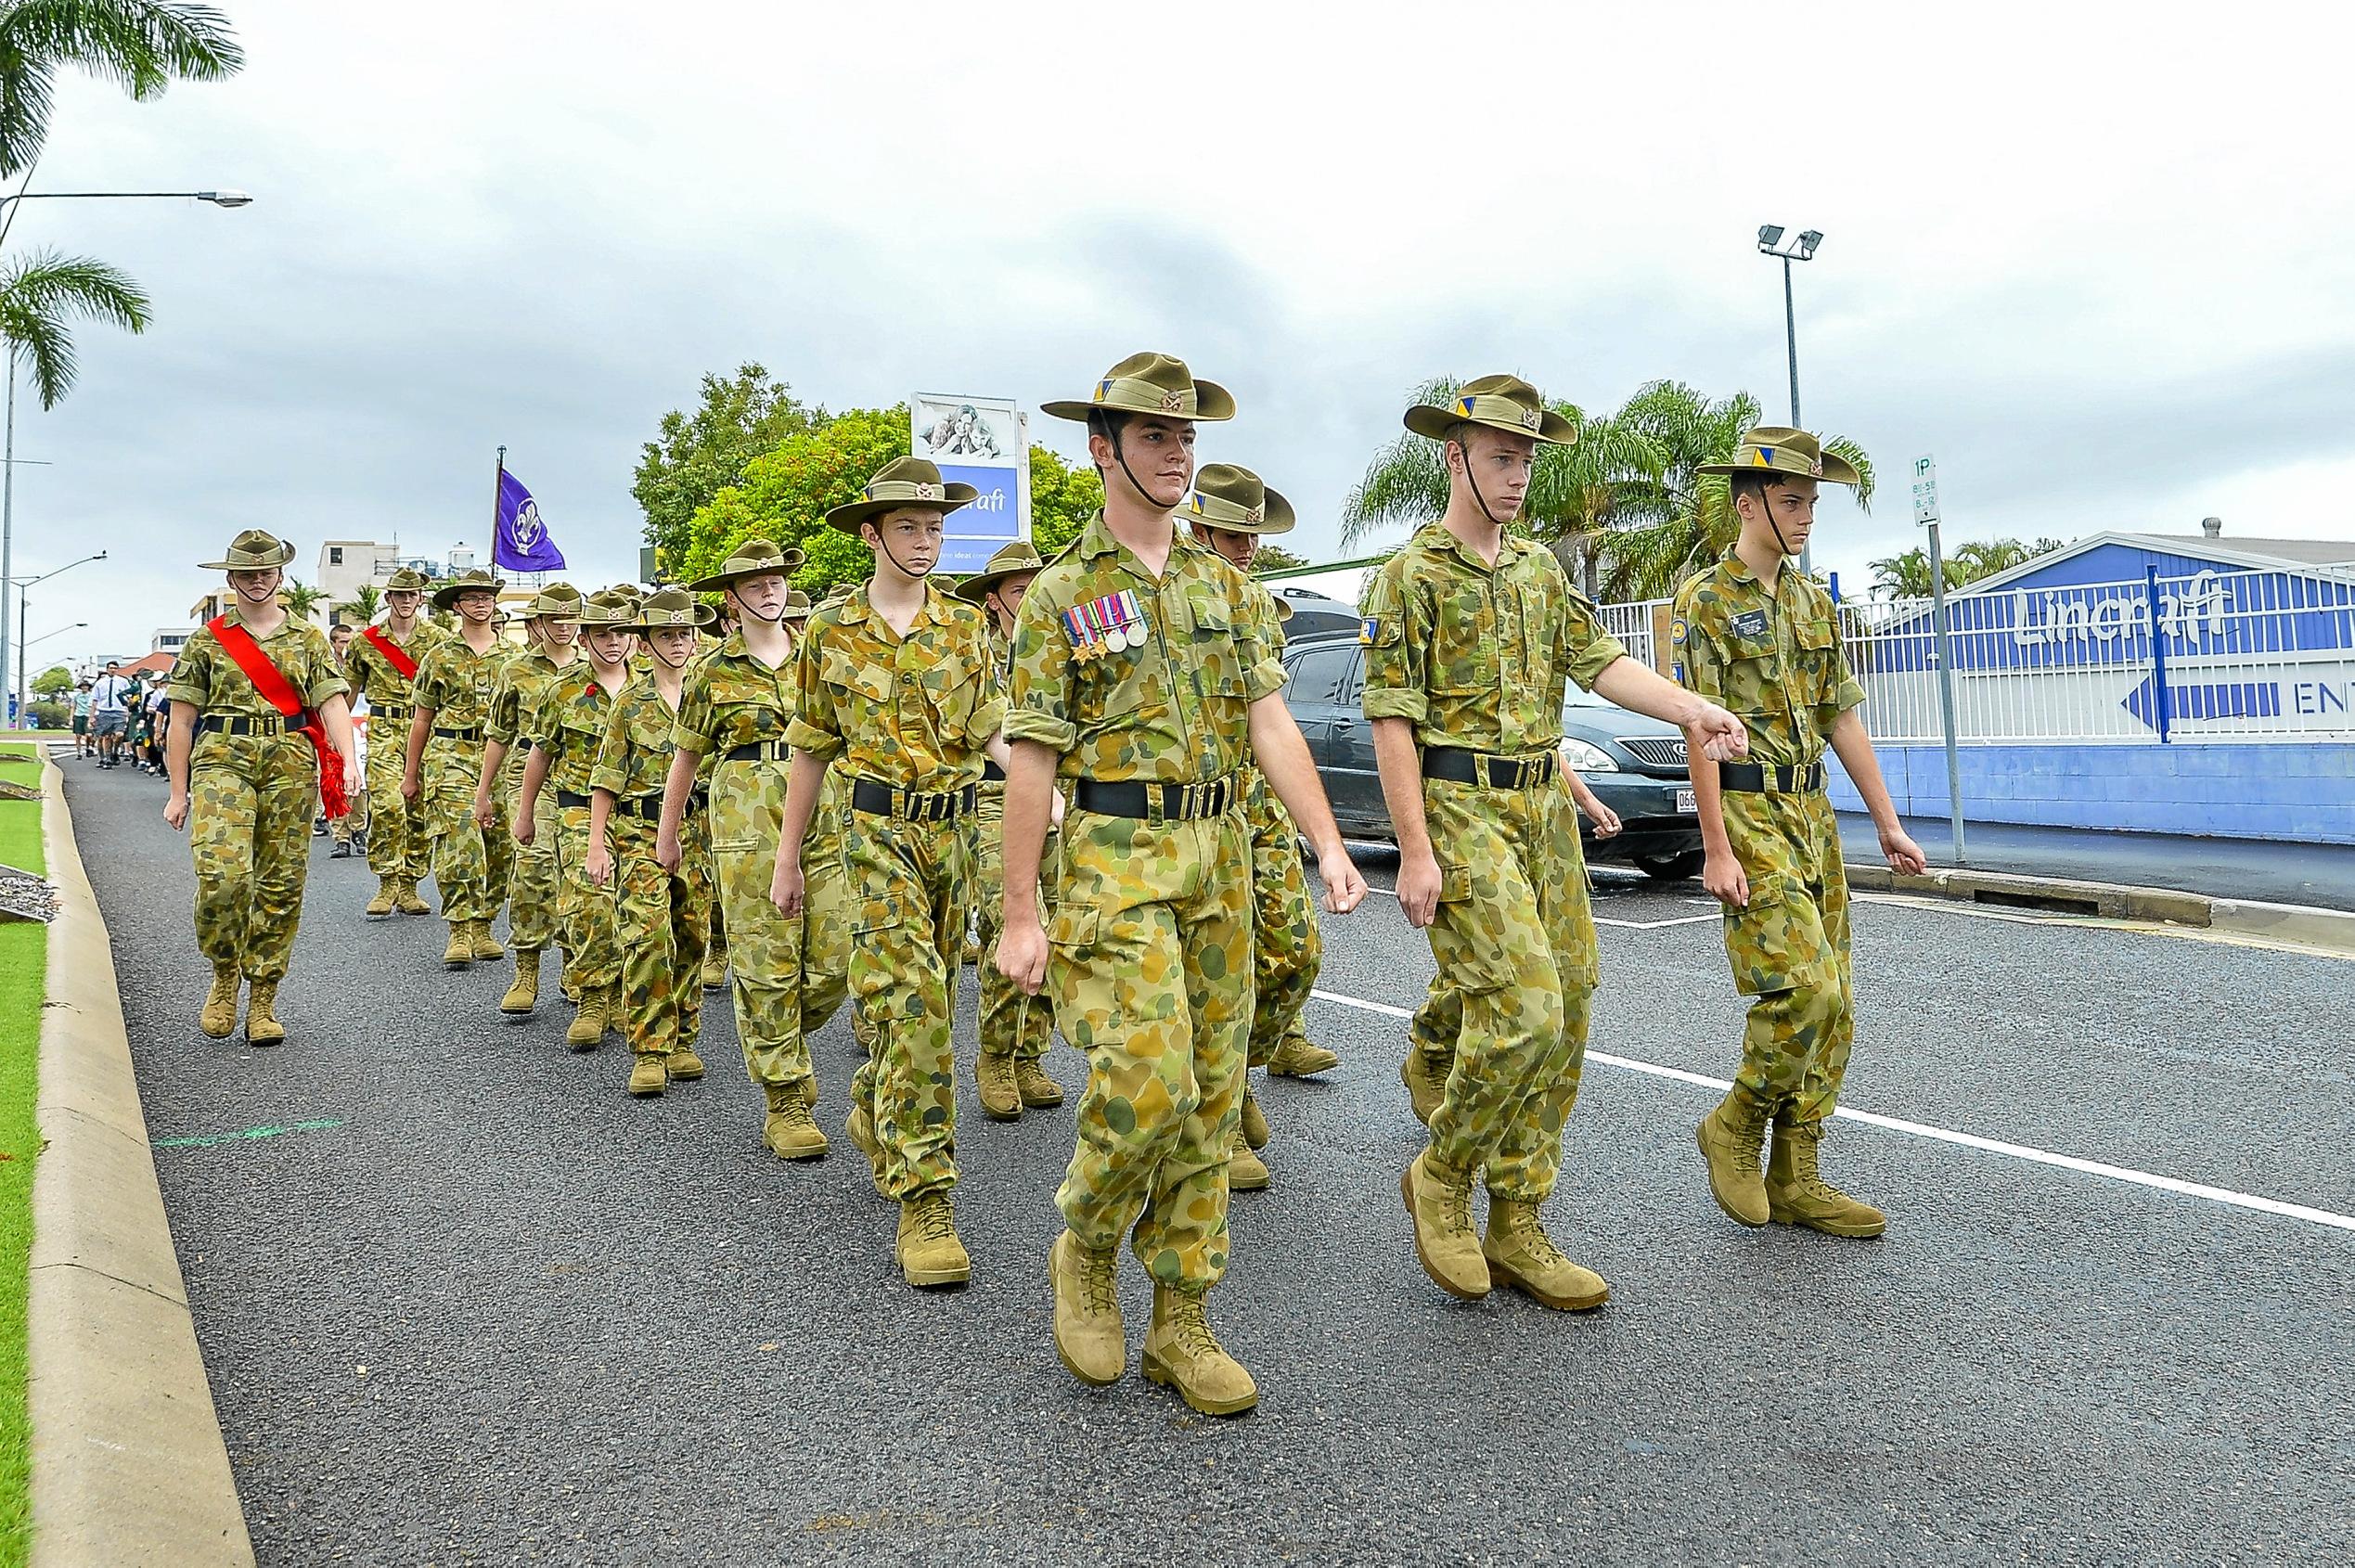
x,y
1800,248
1770,236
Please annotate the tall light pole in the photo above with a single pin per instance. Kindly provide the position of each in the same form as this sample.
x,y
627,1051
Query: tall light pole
x,y
1800,248
24,586
9,463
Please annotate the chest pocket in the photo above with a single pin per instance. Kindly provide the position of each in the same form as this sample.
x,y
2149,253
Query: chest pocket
x,y
1463,648
1217,657
1754,671
950,688
650,730
747,708
1819,657
857,676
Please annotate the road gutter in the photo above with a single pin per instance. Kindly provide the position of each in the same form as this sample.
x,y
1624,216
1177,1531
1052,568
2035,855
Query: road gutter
x,y
2295,925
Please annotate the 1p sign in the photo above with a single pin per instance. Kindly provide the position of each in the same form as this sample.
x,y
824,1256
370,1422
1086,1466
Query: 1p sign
x,y
1925,489
980,442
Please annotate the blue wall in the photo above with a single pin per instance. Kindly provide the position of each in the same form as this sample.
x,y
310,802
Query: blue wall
x,y
2296,791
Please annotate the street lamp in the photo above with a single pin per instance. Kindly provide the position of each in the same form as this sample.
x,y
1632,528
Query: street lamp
x,y
58,633
1801,247
8,462
23,585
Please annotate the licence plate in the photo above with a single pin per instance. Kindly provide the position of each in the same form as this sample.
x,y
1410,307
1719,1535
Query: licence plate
x,y
1686,804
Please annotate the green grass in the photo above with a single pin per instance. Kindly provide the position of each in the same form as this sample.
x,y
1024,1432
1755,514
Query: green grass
x,y
23,971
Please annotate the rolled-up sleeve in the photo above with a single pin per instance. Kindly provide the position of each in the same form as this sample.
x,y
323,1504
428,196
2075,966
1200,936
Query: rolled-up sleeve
x,y
1395,640
815,726
1038,706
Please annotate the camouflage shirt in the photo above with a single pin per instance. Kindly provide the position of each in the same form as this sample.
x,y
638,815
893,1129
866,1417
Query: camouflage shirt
x,y
207,677
1173,708
372,673
634,756
731,698
1477,656
457,682
913,712
569,724
1774,657
521,683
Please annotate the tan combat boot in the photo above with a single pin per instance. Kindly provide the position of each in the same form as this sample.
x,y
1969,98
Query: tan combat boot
x,y
1038,1091
387,889
1440,1202
715,974
1090,1337
1255,1122
406,900
1728,1139
523,995
860,1130
1001,1099
219,1016
1246,1172
791,1132
1296,1058
649,1075
587,1031
1181,1353
1521,1254
261,1025
930,1254
615,1019
686,1066
1426,1080
480,943
1798,1195
460,952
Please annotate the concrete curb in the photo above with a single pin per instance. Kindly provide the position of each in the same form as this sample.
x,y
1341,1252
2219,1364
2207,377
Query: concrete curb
x,y
2328,931
128,1462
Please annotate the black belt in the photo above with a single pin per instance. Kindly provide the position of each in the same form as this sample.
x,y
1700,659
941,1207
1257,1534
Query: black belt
x,y
388,710
571,800
881,800
992,773
757,750
1174,802
1758,778
222,723
646,808
1459,766
474,734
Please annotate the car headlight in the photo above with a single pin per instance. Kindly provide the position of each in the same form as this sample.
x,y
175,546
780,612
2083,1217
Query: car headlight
x,y
1584,758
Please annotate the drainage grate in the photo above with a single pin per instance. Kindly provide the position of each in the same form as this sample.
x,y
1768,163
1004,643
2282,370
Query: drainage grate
x,y
2050,903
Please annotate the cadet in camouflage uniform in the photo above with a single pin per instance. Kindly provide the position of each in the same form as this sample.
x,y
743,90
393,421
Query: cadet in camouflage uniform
x,y
1764,639
661,913
1231,512
532,876
250,782
1015,1029
897,680
353,823
566,730
1471,633
444,763
1145,675
732,714
399,846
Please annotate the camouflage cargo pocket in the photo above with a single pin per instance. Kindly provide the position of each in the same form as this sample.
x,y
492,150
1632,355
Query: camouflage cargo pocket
x,y
1086,999
1477,942
1775,943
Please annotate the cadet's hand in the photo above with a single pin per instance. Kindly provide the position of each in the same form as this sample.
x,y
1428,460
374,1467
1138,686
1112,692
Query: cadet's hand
x,y
785,889
1054,808
410,788
1606,820
1344,884
524,828
1419,890
599,864
1724,879
1716,735
666,849
175,810
1021,956
1903,854
485,814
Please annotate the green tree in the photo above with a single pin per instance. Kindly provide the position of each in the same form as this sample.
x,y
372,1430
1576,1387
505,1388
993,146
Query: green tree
x,y
142,46
1061,500
51,681
1275,557
701,452
1907,575
43,294
1904,575
300,599
365,602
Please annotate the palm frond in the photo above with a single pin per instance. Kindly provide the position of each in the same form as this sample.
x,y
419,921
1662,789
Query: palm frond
x,y
43,294
142,46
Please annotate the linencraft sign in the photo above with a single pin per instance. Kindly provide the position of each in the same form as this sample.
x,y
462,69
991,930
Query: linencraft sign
x,y
2192,614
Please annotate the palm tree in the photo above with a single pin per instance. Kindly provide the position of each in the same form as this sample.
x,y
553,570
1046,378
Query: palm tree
x,y
301,598
1903,576
141,45
42,293
364,603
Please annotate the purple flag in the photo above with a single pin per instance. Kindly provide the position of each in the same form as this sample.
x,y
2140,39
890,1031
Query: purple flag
x,y
520,543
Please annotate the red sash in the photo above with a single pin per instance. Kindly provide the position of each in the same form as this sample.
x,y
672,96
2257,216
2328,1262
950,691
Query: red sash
x,y
392,653
279,693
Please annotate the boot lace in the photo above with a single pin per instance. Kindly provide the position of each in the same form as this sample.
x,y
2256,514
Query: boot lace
x,y
1523,1228
1099,1280
1191,1327
934,1221
1804,1140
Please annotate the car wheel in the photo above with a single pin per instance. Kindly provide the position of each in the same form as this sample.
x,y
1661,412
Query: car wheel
x,y
1671,868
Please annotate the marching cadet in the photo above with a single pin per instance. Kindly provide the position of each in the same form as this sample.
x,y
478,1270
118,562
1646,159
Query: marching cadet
x,y
1015,1029
897,679
1231,512
353,823
444,764
1763,638
1471,635
532,876
566,729
263,728
715,974
732,714
1144,673
384,666
659,914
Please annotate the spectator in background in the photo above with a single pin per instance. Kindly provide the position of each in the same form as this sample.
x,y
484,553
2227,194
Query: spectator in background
x,y
82,746
110,713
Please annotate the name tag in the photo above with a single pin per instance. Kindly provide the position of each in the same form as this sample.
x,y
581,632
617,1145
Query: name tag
x,y
1750,623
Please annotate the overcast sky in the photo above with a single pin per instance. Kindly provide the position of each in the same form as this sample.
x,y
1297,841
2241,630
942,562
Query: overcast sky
x,y
2098,265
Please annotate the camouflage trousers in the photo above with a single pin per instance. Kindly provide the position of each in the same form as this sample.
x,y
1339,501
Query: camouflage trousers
x,y
584,910
532,881
470,866
1011,1023
788,976
342,829
662,921
399,844
909,882
251,801
1151,967
1514,942
1288,946
1789,948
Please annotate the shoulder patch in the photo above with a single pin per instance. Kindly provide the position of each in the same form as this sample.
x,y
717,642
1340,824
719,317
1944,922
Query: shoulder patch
x,y
1676,631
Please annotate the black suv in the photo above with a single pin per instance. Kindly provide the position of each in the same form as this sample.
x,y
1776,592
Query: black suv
x,y
1634,764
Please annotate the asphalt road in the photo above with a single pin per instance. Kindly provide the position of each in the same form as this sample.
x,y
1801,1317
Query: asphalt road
x,y
479,1306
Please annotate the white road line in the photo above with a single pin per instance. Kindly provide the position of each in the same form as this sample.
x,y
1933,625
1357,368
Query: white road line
x,y
1944,1134
1604,920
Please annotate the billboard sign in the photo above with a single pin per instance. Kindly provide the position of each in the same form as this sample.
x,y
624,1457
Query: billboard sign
x,y
983,442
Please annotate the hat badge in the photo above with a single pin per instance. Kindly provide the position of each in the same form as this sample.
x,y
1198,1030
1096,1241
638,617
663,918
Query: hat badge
x,y
1256,514
927,492
1816,468
1530,418
1172,403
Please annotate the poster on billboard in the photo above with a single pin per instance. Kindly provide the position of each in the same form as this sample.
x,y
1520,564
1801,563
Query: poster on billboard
x,y
983,442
